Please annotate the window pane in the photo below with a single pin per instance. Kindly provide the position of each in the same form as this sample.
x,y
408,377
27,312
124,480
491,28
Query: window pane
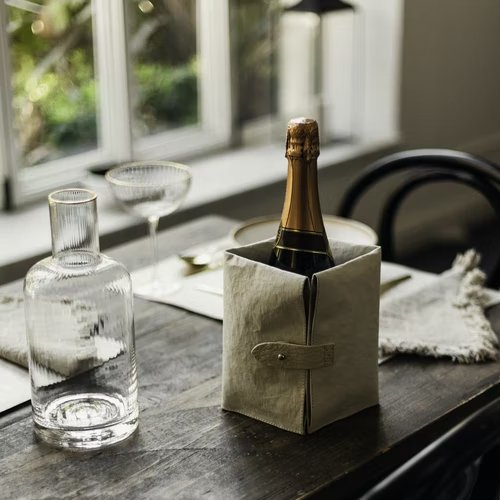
x,y
162,49
254,37
53,81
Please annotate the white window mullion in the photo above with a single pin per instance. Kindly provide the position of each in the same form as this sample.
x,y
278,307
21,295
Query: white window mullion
x,y
112,74
379,87
214,128
213,48
8,153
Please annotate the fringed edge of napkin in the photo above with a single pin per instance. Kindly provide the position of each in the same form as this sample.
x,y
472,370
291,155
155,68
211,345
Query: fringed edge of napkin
x,y
471,300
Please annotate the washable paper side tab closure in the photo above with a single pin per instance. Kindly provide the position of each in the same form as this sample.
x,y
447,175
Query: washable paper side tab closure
x,y
294,356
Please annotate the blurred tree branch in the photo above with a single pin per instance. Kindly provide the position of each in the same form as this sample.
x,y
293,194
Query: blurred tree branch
x,y
68,41
25,5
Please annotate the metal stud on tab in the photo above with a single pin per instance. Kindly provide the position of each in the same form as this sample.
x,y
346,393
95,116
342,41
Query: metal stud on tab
x,y
281,356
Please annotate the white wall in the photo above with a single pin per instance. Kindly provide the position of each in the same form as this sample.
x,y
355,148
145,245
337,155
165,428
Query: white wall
x,y
450,94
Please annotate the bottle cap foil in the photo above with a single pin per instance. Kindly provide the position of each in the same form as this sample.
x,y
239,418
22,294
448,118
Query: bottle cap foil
x,y
302,139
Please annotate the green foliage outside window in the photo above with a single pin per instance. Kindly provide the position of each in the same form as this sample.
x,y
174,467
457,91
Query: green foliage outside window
x,y
54,84
167,95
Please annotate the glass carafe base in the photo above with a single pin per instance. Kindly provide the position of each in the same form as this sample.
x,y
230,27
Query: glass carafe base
x,y
85,421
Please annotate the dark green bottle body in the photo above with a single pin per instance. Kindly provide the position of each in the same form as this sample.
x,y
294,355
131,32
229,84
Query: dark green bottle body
x,y
301,252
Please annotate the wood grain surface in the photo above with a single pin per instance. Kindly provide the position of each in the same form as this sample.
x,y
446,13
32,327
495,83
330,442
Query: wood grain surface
x,y
187,447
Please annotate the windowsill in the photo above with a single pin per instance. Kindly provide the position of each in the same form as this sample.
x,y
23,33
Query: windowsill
x,y
26,232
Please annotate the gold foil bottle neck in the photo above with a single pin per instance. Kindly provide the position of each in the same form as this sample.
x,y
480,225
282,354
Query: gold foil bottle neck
x,y
302,139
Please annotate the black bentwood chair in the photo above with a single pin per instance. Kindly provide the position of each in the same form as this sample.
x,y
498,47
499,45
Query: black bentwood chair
x,y
425,166
462,464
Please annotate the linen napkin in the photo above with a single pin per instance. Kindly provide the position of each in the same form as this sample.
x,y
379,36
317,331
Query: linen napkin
x,y
441,316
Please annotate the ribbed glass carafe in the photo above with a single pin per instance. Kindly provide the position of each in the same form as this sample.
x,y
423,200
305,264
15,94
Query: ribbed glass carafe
x,y
80,326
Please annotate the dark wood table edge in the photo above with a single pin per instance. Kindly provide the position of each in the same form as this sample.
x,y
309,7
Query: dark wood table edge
x,y
377,468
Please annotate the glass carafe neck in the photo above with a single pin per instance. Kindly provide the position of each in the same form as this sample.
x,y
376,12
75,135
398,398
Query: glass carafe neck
x,y
73,221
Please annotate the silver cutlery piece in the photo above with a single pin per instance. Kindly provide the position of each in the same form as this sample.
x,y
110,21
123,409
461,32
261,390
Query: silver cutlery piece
x,y
211,256
209,289
198,259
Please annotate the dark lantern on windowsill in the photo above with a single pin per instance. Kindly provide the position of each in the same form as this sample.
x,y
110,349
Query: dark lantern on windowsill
x,y
320,6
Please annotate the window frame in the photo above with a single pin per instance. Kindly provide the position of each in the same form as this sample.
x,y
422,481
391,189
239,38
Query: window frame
x,y
114,113
375,97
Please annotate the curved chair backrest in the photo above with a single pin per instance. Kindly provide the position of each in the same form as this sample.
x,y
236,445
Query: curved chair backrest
x,y
428,165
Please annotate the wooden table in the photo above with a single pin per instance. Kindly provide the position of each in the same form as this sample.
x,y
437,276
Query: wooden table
x,y
187,447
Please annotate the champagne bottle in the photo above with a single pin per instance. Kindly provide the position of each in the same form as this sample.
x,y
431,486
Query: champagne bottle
x,y
301,243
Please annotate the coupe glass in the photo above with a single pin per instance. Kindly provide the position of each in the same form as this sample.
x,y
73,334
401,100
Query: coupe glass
x,y
151,189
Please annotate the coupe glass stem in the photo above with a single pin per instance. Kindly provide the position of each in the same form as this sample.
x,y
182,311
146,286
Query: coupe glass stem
x,y
153,226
